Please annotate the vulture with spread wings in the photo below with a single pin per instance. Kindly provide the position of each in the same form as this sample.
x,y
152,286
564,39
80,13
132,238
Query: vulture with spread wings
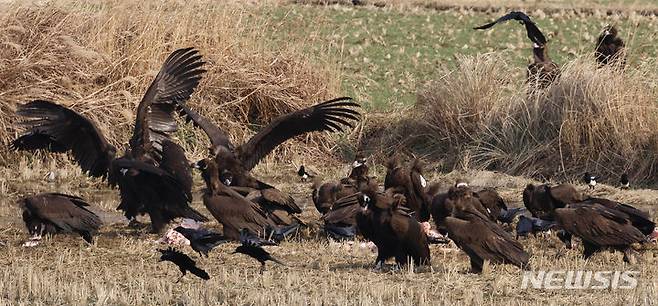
x,y
543,71
238,161
153,175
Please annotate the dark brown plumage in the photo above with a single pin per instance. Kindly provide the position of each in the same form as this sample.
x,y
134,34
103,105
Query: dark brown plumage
x,y
324,196
441,208
492,202
610,48
600,227
543,71
279,207
410,182
638,218
542,200
237,162
383,220
229,207
184,263
139,173
52,213
479,237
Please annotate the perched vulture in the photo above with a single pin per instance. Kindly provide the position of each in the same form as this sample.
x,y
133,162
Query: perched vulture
x,y
153,175
229,207
543,71
383,220
492,202
340,219
409,182
600,227
184,263
52,213
279,207
542,200
440,208
253,248
610,48
478,236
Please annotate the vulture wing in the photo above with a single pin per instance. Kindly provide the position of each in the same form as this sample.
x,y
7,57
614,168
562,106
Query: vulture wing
x,y
58,129
217,136
179,76
326,116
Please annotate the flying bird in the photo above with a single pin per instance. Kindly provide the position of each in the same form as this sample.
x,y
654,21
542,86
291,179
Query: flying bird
x,y
184,263
201,240
610,48
52,213
153,175
533,32
543,71
253,249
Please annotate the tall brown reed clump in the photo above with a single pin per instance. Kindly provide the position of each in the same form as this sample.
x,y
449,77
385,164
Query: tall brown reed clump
x,y
98,57
598,120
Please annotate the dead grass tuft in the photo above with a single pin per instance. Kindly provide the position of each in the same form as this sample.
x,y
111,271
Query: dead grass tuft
x,y
599,120
98,58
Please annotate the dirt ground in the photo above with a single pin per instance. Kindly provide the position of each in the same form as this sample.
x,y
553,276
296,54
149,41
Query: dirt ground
x,y
122,268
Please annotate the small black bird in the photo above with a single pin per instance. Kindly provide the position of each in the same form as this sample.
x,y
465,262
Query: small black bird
x,y
252,248
303,174
201,240
531,225
625,184
184,263
507,215
590,180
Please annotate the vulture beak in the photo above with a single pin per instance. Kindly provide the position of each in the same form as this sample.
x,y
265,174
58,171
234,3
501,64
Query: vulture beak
x,y
123,171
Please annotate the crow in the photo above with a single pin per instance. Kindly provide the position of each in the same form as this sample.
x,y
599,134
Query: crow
x,y
531,225
184,263
253,248
201,240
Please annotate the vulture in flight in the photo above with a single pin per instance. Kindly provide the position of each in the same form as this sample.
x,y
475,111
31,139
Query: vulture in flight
x,y
236,162
384,220
52,213
478,236
153,175
543,71
600,227
610,48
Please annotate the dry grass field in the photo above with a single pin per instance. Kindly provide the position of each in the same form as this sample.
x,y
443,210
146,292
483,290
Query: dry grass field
x,y
430,87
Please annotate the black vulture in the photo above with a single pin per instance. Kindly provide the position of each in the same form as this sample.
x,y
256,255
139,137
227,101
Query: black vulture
x,y
384,220
543,70
52,213
600,227
410,182
610,48
151,175
479,237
